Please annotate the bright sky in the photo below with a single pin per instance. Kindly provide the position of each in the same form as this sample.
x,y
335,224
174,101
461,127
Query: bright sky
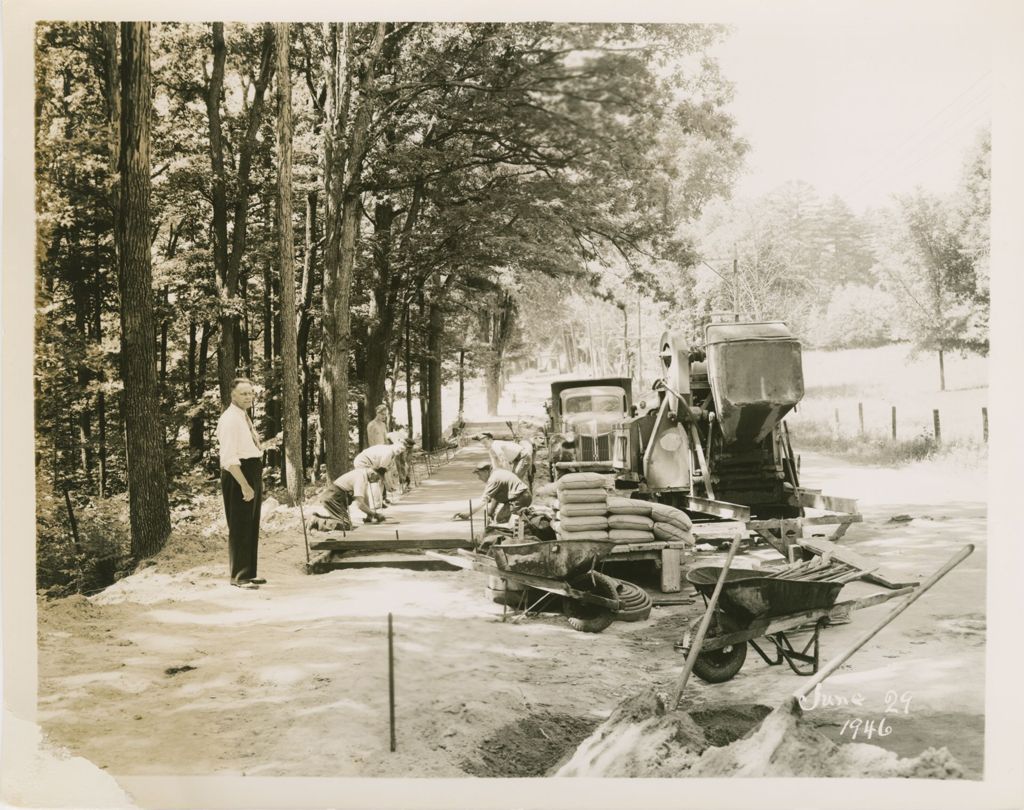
x,y
856,110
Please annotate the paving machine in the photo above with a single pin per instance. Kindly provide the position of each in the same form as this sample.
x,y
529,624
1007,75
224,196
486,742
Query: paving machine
x,y
714,441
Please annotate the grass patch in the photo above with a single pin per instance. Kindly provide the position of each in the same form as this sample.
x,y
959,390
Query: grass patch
x,y
873,449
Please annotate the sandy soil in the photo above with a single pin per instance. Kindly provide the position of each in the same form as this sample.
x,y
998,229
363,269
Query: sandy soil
x,y
172,671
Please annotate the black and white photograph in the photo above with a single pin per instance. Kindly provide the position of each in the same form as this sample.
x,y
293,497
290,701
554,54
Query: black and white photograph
x,y
420,397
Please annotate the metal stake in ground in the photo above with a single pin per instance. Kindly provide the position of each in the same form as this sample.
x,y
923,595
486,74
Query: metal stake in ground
x,y
391,681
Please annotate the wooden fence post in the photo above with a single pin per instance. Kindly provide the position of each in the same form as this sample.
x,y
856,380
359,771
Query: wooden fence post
x,y
894,423
938,426
860,416
837,422
984,424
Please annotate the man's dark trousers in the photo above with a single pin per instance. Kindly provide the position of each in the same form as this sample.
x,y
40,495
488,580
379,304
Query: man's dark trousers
x,y
243,519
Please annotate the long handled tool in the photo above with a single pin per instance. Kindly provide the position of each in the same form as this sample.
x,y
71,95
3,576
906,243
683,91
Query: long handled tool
x,y
869,634
702,629
391,682
759,748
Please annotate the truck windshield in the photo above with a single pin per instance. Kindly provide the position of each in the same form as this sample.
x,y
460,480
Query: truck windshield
x,y
594,403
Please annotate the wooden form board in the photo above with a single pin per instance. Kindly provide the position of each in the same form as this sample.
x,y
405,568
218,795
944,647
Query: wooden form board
x,y
337,543
874,572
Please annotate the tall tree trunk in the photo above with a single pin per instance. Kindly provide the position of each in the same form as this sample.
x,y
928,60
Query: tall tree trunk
x,y
462,383
227,263
294,470
350,96
306,322
500,330
101,444
147,478
197,424
435,418
407,352
942,370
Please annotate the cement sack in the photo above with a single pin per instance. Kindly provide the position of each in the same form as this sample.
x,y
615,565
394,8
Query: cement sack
x,y
631,536
583,524
669,514
628,506
639,522
583,496
670,533
580,480
581,509
591,535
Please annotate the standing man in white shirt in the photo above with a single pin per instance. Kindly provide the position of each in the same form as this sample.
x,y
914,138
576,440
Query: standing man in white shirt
x,y
241,482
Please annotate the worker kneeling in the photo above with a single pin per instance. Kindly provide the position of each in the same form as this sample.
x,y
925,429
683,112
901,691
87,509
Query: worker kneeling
x,y
504,494
352,486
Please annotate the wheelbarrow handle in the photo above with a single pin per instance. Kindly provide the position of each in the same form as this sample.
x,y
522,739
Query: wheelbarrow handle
x,y
840,659
702,629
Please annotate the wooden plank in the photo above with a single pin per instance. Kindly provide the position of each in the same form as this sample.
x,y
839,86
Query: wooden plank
x,y
875,573
657,546
415,562
671,570
724,530
832,520
722,509
627,556
335,543
830,503
842,553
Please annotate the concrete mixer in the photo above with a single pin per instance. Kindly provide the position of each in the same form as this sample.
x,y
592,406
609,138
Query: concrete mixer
x,y
712,438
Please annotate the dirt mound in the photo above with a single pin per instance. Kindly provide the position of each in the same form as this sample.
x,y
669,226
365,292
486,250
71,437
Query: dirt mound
x,y
726,724
529,747
641,738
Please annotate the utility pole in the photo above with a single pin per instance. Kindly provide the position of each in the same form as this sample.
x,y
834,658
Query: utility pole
x,y
735,282
639,342
625,342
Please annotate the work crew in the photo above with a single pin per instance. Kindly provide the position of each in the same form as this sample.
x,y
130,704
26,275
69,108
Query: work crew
x,y
514,456
241,483
504,493
352,486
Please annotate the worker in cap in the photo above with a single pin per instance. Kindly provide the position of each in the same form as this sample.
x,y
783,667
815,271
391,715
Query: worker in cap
x,y
504,493
353,486
514,456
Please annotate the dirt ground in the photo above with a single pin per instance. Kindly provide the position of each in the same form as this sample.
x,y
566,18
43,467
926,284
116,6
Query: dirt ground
x,y
172,671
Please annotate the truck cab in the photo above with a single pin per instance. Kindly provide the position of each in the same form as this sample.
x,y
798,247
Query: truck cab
x,y
582,416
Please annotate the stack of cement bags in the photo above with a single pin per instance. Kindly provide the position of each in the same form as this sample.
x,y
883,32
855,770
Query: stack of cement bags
x,y
585,511
582,507
636,521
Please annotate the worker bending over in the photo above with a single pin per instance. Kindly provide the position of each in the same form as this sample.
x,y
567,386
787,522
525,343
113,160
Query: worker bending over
x,y
382,456
352,486
504,493
514,456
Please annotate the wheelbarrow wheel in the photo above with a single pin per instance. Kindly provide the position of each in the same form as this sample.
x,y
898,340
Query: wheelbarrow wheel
x,y
590,618
719,666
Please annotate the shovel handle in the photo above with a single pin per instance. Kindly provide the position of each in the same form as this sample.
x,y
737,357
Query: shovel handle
x,y
840,659
702,629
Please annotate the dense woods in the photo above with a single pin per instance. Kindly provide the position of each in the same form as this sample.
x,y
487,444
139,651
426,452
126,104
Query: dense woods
x,y
358,213
347,213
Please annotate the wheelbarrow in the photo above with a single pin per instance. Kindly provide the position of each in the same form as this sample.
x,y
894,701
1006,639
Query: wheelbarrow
x,y
591,599
754,605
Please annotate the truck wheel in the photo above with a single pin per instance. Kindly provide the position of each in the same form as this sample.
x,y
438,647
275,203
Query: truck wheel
x,y
719,666
590,618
